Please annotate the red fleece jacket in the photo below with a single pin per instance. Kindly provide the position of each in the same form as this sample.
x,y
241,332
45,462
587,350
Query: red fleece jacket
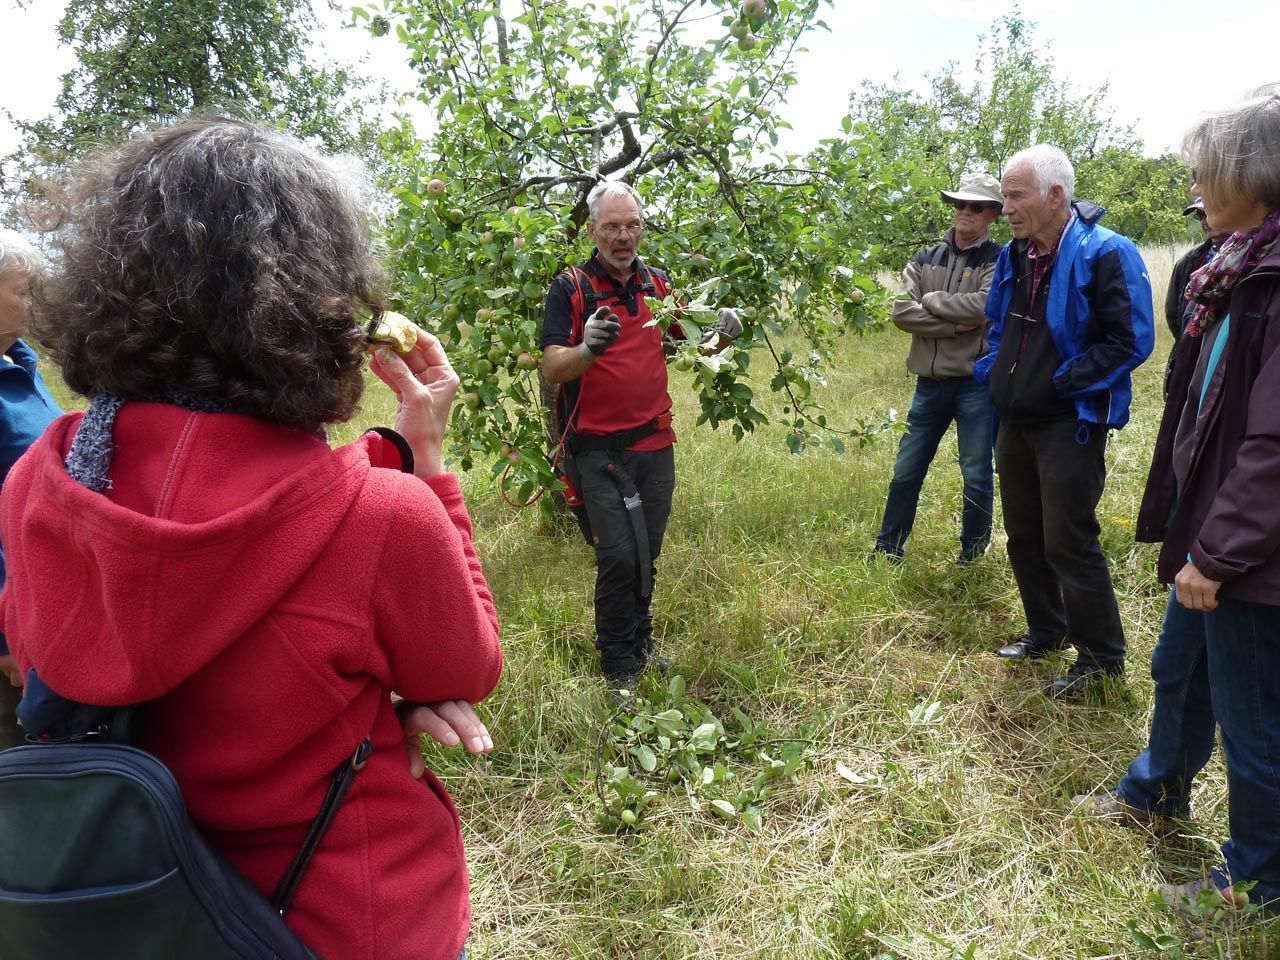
x,y
267,594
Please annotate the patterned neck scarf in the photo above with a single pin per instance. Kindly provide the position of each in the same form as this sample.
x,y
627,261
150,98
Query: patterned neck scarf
x,y
92,450
1210,287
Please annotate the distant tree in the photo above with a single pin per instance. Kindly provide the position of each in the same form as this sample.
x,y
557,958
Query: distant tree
x,y
1013,100
144,62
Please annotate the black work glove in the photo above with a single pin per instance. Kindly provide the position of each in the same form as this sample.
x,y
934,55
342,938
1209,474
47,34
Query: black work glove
x,y
600,330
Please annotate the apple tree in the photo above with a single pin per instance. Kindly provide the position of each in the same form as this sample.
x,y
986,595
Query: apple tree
x,y
533,104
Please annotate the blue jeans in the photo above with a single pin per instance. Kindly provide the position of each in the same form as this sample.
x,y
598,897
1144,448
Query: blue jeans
x,y
1243,640
1182,724
935,405
1238,661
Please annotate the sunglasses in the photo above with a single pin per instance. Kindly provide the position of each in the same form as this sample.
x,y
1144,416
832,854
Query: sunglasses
x,y
974,207
1198,214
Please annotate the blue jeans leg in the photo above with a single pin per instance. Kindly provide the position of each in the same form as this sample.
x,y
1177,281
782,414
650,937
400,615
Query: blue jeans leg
x,y
1182,724
932,410
973,437
1243,642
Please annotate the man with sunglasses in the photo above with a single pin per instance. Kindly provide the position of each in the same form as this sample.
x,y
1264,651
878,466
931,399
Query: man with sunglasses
x,y
944,290
1071,317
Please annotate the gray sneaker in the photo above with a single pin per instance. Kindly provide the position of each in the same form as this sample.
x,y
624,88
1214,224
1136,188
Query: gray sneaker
x,y
1107,805
1201,900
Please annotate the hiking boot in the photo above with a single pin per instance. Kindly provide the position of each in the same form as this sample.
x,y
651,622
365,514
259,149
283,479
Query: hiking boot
x,y
655,662
622,687
1108,805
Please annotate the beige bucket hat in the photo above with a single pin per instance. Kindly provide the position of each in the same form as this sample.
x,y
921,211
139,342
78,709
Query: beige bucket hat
x,y
977,188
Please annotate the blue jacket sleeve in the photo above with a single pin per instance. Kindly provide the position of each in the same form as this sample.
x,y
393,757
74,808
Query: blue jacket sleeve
x,y
1122,319
995,311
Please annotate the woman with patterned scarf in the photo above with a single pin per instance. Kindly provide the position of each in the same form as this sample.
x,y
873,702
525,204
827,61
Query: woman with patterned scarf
x,y
1213,499
192,542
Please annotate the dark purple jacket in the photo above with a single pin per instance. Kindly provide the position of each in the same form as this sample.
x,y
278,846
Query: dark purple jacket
x,y
1228,518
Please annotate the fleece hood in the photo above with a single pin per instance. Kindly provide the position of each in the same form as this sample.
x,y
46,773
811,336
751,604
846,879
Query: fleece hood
x,y
118,597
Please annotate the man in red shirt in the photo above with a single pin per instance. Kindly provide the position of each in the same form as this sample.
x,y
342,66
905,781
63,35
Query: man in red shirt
x,y
619,452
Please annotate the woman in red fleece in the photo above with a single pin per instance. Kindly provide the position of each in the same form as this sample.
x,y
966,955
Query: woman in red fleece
x,y
193,542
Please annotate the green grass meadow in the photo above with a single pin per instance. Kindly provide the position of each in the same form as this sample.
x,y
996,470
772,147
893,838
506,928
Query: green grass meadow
x,y
932,815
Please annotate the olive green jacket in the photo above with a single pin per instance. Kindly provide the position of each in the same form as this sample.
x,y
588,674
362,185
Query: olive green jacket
x,y
944,287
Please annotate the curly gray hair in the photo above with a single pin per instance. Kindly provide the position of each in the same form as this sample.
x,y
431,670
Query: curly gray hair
x,y
218,259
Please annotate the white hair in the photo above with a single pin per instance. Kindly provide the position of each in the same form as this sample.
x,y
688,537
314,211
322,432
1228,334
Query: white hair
x,y
1049,167
611,188
18,255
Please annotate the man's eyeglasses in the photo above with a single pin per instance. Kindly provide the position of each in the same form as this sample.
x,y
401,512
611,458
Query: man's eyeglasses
x,y
616,229
974,207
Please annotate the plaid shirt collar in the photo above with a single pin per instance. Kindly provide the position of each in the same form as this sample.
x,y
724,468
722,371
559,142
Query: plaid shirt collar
x,y
1041,262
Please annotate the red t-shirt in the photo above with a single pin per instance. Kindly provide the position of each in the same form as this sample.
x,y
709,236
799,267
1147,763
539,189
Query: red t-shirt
x,y
626,387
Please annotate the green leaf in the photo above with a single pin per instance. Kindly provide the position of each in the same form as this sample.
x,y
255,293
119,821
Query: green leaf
x,y
724,809
704,738
645,757
675,690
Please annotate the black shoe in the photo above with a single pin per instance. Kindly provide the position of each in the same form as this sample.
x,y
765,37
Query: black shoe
x,y
622,687
971,554
888,556
1024,648
1080,679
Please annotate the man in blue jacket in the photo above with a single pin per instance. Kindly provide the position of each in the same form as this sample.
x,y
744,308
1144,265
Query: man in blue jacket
x,y
1071,315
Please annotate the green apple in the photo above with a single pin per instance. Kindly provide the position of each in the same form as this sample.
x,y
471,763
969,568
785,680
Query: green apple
x,y
471,400
527,361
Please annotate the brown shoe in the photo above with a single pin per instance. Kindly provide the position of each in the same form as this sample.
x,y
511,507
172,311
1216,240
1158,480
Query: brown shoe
x,y
1107,805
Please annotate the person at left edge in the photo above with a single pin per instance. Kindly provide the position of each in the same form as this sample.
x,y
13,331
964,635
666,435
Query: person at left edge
x,y
26,408
596,343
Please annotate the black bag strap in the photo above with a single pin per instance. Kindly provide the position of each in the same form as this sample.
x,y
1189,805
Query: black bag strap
x,y
343,777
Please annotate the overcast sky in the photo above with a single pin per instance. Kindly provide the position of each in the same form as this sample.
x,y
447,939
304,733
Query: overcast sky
x,y
1160,73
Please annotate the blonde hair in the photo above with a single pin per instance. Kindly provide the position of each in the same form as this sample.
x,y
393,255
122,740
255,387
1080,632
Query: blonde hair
x,y
1235,153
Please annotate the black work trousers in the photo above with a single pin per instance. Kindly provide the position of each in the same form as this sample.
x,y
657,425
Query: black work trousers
x,y
1051,479
624,620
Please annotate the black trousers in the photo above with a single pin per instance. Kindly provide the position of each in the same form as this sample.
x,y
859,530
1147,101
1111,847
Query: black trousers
x,y
624,621
1051,479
